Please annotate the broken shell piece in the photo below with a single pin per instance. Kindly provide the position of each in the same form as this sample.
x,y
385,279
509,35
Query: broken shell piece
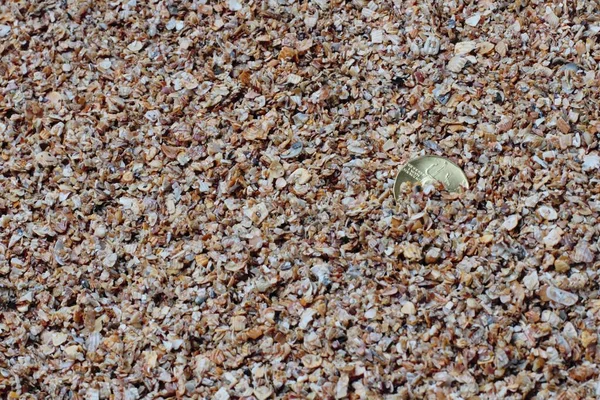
x,y
548,213
312,361
502,48
583,253
561,296
377,36
553,237
46,159
511,222
294,150
431,46
238,323
464,47
591,161
551,18
456,64
300,176
484,47
473,20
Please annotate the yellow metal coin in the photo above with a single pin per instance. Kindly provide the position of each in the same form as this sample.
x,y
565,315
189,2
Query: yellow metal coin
x,y
428,169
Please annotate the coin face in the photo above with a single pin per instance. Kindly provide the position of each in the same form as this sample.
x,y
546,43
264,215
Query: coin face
x,y
428,169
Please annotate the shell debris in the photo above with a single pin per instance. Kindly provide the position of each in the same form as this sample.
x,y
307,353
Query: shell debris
x,y
200,195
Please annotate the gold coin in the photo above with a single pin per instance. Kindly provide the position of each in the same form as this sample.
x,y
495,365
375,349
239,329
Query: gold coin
x,y
428,169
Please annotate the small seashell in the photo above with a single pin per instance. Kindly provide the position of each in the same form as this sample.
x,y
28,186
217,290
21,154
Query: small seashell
x,y
561,264
456,64
202,260
221,394
322,272
55,98
183,158
511,222
262,285
414,48
588,338
217,356
189,81
473,20
548,213
465,47
501,360
561,296
170,151
105,64
287,54
254,333
580,48
110,260
582,253
60,253
300,119
431,46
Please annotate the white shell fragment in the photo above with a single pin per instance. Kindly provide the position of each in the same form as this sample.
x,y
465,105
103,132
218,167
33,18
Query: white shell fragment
x,y
456,63
4,30
465,47
591,161
294,150
531,281
377,36
511,222
234,5
473,20
582,253
431,46
553,237
551,17
548,213
300,176
561,296
135,46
